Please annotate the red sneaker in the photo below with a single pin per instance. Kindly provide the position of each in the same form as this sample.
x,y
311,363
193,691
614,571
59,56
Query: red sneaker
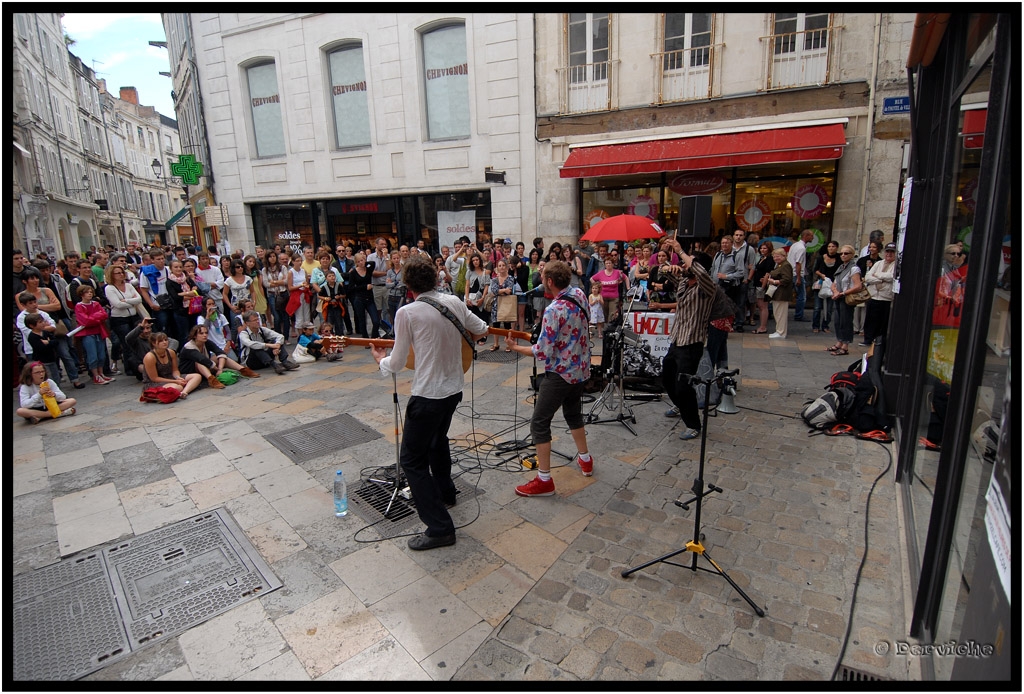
x,y
587,468
536,487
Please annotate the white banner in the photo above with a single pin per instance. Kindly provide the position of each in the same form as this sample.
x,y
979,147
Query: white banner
x,y
452,225
653,328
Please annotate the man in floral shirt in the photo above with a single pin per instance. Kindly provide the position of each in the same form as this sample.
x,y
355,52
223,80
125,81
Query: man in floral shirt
x,y
563,347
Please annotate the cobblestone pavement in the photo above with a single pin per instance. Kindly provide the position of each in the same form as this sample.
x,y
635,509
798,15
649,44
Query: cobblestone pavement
x,y
533,588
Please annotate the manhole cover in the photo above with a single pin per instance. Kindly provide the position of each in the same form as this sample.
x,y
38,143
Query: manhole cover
x,y
76,616
66,621
181,575
393,515
497,357
323,437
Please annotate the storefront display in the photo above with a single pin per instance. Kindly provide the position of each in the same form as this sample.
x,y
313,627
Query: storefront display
x,y
774,200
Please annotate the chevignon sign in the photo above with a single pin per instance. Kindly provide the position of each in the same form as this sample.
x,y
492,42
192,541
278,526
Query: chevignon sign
x,y
700,183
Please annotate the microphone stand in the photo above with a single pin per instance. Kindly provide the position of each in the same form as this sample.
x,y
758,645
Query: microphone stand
x,y
699,492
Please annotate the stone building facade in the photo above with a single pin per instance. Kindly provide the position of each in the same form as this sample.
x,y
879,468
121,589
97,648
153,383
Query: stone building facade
x,y
329,128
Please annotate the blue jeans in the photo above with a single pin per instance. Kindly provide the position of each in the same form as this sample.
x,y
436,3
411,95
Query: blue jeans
x,y
822,313
360,307
66,352
801,300
95,351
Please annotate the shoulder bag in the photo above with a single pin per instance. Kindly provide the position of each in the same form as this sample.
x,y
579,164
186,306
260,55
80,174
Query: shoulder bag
x,y
859,297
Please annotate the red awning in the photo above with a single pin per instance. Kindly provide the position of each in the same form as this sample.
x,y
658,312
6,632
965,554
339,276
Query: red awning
x,y
974,128
776,146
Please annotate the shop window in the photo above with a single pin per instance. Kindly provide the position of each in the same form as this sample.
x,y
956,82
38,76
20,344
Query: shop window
x,y
446,82
685,70
585,81
799,44
284,225
450,215
349,105
265,107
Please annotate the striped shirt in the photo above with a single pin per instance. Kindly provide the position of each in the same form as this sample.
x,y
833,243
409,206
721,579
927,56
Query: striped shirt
x,y
694,300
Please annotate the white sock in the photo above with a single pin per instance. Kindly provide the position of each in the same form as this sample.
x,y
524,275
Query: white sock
x,y
544,476
585,457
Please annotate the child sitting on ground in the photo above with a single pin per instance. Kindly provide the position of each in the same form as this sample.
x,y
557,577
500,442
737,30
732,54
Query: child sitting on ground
x,y
331,351
313,343
34,387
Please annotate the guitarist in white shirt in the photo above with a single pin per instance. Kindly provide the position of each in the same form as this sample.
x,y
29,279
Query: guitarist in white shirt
x,y
437,386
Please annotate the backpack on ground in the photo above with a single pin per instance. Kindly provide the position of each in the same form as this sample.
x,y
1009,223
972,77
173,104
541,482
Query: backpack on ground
x,y
867,412
836,404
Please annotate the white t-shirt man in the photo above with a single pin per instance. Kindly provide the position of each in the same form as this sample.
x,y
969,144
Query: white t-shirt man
x,y
797,257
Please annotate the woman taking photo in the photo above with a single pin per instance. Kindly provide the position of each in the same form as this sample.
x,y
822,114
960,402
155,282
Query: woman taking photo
x,y
780,277
661,282
765,264
276,282
847,281
217,325
478,281
160,367
824,269
502,284
360,282
299,290
183,287
444,280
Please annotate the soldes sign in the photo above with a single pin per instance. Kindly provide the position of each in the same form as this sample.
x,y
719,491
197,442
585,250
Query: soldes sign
x,y
696,183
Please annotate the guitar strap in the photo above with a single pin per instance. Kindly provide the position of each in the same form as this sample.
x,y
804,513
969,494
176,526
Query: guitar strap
x,y
447,313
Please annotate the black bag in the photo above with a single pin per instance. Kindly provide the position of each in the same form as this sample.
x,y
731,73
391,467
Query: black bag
x,y
166,302
867,412
723,306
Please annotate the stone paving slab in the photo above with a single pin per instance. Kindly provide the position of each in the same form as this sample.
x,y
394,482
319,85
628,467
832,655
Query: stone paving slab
x,y
533,589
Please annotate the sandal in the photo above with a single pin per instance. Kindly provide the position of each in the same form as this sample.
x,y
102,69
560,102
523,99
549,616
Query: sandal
x,y
833,348
508,349
70,412
33,420
494,348
760,332
840,352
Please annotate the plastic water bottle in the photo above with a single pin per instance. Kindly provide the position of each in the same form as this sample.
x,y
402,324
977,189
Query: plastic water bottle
x,y
340,495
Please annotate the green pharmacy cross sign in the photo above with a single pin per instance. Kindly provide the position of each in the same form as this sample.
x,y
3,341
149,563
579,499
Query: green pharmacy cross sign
x,y
187,169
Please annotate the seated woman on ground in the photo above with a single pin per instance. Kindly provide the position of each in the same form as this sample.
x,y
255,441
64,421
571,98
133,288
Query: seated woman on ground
x,y
33,409
200,355
160,367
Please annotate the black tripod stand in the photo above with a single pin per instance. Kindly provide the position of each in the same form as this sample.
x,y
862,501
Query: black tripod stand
x,y
398,483
614,389
699,492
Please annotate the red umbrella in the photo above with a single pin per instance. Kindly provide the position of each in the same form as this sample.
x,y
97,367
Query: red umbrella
x,y
623,227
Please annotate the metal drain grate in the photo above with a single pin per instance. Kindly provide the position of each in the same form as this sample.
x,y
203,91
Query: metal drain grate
x,y
327,436
181,575
849,674
66,621
370,501
497,357
74,617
